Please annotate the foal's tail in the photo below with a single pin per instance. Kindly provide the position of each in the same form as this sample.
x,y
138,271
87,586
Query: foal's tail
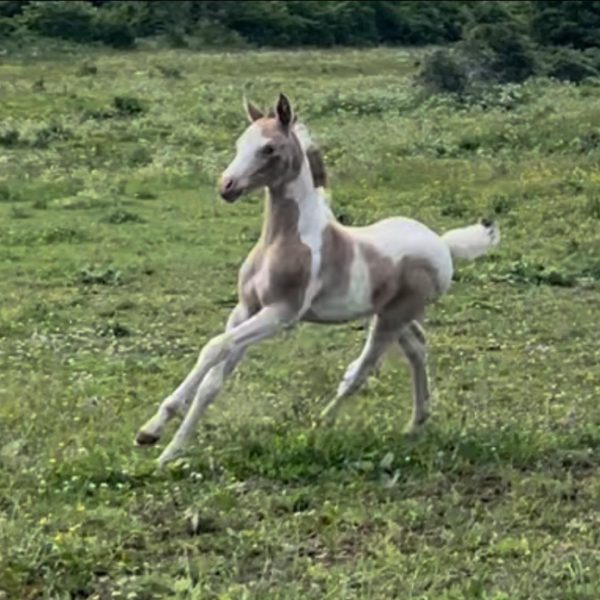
x,y
472,241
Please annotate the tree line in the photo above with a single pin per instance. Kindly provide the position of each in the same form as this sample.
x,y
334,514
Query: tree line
x,y
296,23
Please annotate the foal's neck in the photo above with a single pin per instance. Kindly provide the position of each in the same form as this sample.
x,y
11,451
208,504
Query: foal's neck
x,y
295,208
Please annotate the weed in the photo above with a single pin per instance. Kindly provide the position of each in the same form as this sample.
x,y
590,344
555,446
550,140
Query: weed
x,y
128,106
146,195
88,275
16,212
170,71
63,234
502,204
592,206
120,216
8,193
40,204
9,135
87,69
116,330
139,156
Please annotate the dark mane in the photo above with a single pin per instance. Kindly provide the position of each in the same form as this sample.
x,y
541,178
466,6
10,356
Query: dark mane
x,y
317,166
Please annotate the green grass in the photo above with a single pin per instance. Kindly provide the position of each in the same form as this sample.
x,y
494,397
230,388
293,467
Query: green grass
x,y
117,262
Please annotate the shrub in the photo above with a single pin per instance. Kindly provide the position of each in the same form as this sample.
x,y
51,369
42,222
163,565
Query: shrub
x,y
86,69
128,105
500,52
205,33
113,31
490,53
89,275
592,207
120,216
16,212
444,71
169,71
570,65
7,194
9,134
176,38
7,27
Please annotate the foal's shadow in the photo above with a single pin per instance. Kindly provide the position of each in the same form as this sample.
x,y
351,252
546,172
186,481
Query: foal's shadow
x,y
284,453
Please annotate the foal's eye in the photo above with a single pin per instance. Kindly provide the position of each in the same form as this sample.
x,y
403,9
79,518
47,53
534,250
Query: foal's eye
x,y
268,150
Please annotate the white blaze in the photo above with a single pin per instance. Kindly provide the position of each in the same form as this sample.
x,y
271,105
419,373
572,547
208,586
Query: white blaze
x,y
247,146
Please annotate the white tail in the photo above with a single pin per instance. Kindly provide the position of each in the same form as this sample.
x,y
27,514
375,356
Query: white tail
x,y
472,241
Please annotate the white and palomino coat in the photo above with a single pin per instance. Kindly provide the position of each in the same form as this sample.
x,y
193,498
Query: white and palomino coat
x,y
308,267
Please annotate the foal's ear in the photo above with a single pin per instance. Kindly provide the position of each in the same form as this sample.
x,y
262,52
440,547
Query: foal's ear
x,y
285,114
252,111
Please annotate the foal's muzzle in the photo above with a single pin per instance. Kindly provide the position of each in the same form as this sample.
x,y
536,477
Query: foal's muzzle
x,y
229,189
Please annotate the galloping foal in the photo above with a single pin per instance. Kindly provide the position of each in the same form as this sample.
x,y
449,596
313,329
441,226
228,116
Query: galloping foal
x,y
308,267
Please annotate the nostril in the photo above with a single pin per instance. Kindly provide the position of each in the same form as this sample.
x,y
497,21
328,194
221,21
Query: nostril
x,y
228,184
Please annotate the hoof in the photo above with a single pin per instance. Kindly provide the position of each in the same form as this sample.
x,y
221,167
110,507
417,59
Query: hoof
x,y
144,438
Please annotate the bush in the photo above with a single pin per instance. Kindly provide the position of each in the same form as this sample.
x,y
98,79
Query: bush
x,y
9,134
87,69
128,106
490,53
444,71
567,64
500,52
7,27
113,31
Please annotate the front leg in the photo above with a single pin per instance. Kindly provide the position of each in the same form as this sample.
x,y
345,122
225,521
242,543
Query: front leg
x,y
179,400
215,356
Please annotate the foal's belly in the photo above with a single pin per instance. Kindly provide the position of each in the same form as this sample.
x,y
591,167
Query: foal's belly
x,y
337,310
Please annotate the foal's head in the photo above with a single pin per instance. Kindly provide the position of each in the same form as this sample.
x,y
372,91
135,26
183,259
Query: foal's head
x,y
268,152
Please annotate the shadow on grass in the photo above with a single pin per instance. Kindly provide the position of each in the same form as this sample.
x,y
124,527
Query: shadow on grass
x,y
300,456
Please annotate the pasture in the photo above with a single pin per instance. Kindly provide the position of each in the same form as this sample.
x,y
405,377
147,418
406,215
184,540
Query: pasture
x,y
118,261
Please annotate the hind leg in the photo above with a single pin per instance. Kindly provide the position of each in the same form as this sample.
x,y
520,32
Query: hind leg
x,y
378,340
412,343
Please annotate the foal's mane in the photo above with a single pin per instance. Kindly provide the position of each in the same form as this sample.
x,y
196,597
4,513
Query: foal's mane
x,y
313,154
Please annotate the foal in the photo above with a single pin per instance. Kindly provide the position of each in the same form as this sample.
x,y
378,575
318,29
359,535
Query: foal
x,y
308,267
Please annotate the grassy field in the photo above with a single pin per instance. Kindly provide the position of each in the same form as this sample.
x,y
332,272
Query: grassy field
x,y
117,262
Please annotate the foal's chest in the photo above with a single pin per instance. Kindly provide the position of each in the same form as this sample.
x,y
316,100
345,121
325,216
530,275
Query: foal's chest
x,y
282,275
